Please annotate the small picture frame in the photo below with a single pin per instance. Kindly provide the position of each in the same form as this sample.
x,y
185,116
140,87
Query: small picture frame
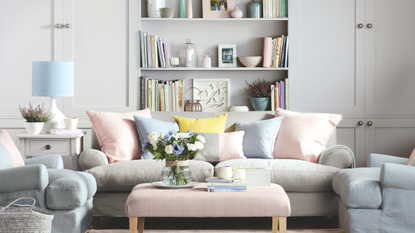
x,y
227,55
212,93
218,8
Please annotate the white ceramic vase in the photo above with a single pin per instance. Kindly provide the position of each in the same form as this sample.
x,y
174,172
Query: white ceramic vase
x,y
33,128
154,6
239,173
225,172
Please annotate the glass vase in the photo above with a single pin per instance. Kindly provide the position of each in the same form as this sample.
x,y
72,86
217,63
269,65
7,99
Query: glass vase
x,y
176,173
189,54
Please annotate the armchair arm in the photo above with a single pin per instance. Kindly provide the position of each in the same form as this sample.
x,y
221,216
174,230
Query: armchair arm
x,y
339,156
377,160
397,176
50,161
91,158
25,178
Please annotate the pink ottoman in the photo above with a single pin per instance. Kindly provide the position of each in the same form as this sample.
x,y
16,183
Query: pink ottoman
x,y
146,200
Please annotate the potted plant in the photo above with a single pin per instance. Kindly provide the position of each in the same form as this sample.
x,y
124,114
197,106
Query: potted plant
x,y
35,118
261,94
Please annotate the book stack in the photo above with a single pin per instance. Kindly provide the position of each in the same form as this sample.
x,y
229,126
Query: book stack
x,y
66,131
276,51
275,8
154,51
279,95
215,184
160,95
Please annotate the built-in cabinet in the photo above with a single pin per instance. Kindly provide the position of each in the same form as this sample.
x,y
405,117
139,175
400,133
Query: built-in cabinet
x,y
356,58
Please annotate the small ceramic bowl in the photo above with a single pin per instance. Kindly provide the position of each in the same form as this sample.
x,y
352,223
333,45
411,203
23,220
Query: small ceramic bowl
x,y
167,12
250,61
224,172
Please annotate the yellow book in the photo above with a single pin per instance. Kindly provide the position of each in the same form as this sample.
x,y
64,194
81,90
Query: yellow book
x,y
154,60
149,98
277,52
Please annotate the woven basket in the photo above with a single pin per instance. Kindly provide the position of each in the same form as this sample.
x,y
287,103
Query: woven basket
x,y
25,218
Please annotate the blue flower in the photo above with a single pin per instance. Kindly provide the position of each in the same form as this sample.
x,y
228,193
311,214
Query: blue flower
x,y
177,149
168,136
144,145
190,132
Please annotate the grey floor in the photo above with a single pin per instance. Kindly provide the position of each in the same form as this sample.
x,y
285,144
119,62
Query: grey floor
x,y
222,223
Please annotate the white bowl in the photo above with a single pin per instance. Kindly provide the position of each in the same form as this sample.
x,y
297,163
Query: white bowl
x,y
250,61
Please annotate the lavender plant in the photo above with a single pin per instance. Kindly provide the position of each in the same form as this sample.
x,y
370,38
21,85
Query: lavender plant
x,y
37,114
259,88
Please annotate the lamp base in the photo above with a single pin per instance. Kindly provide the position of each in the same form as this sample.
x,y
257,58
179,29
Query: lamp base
x,y
57,120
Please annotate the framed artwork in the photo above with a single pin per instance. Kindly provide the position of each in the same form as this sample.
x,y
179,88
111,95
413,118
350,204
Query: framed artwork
x,y
218,8
213,94
227,55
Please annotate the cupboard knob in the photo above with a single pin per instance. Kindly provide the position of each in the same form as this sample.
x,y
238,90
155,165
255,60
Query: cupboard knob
x,y
59,25
48,147
360,123
67,25
369,25
369,123
360,25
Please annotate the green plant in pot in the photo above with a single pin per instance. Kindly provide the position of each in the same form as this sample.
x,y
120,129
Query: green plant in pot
x,y
261,94
35,118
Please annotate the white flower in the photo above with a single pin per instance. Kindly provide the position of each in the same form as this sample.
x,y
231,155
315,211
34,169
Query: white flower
x,y
199,145
191,147
153,141
183,135
169,149
153,135
154,145
201,139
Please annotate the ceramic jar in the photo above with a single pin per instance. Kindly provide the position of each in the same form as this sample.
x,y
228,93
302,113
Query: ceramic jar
x,y
260,103
237,13
34,128
255,9
224,172
154,6
238,173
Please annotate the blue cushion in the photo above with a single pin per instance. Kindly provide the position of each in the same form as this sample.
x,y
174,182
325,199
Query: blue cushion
x,y
259,138
145,126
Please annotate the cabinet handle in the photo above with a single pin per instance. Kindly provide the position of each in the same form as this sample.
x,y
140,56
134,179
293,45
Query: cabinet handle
x,y
59,26
67,25
360,123
369,25
360,25
48,147
369,123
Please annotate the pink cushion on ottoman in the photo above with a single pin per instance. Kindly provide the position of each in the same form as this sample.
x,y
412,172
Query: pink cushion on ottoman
x,y
11,148
146,200
117,134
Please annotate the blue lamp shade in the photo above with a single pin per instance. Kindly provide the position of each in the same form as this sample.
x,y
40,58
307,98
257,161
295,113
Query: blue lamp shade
x,y
53,78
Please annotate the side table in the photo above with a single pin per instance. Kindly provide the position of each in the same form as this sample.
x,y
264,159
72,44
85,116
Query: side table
x,y
68,146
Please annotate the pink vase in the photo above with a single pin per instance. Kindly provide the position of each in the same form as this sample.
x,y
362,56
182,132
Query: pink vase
x,y
189,9
237,13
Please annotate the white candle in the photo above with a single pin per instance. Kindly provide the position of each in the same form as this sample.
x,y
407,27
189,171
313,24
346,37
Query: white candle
x,y
189,57
206,61
174,61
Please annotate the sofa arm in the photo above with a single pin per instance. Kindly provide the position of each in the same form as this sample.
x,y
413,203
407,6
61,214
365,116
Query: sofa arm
x,y
50,161
339,156
377,160
397,176
91,158
25,178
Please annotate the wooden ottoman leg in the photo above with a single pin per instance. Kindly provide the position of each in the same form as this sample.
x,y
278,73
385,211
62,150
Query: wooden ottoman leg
x,y
133,225
283,224
274,224
141,225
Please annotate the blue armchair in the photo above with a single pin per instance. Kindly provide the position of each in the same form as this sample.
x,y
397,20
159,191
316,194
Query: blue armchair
x,y
66,193
378,198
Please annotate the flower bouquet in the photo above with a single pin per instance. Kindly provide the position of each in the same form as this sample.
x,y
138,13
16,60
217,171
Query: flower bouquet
x,y
176,148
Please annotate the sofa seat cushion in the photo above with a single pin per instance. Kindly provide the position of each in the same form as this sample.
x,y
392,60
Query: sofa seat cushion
x,y
123,176
359,188
293,175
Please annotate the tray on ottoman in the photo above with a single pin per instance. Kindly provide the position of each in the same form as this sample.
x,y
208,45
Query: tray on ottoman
x,y
146,200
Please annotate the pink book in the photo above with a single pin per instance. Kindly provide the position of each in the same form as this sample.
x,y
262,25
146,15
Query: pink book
x,y
267,52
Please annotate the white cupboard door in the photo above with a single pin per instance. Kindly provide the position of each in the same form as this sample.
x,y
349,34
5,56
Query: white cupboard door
x,y
326,64
351,133
390,57
390,136
104,51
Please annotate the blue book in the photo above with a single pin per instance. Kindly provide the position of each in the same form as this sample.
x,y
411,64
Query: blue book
x,y
286,52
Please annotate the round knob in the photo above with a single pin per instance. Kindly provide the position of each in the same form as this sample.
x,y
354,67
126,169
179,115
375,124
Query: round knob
x,y
369,123
48,147
360,25
369,25
360,123
67,25
59,25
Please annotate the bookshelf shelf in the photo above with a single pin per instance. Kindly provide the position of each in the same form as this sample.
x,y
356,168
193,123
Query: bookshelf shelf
x,y
214,69
213,19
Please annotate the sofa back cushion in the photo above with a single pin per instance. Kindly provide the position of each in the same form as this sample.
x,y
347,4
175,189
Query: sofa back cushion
x,y
411,160
9,154
207,125
117,134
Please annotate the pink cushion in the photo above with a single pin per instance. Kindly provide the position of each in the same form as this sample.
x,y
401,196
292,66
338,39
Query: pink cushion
x,y
230,146
303,136
412,159
117,134
11,149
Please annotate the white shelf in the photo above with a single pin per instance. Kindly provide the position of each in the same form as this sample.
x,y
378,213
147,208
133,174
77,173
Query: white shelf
x,y
214,19
213,69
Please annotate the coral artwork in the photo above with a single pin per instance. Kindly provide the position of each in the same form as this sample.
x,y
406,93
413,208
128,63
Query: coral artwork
x,y
213,94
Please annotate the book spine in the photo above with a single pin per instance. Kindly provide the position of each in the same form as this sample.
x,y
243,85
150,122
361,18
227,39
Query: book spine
x,y
154,60
282,50
142,50
173,96
228,184
286,51
153,95
161,96
272,98
160,52
267,52
146,92
286,94
149,93
142,86
167,54
166,97
278,52
156,93
282,95
225,190
149,60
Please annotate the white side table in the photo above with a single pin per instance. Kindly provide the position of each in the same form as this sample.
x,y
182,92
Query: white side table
x,y
68,146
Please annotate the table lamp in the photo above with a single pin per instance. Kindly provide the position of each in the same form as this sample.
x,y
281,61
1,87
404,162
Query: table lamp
x,y
53,79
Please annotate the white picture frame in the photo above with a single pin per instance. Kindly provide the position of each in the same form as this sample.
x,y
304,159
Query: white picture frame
x,y
227,55
213,94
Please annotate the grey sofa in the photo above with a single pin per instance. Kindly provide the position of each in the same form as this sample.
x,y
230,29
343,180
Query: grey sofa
x,y
378,198
308,185
67,194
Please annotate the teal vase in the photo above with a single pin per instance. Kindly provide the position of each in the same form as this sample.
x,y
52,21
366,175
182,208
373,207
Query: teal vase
x,y
182,9
260,103
255,9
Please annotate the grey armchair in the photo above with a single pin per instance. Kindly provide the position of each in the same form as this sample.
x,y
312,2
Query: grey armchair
x,y
68,194
378,198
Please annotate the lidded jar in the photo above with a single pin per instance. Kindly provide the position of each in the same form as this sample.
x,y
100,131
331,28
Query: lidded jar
x,y
254,9
189,54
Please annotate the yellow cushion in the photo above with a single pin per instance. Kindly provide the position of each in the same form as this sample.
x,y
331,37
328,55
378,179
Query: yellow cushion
x,y
205,125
